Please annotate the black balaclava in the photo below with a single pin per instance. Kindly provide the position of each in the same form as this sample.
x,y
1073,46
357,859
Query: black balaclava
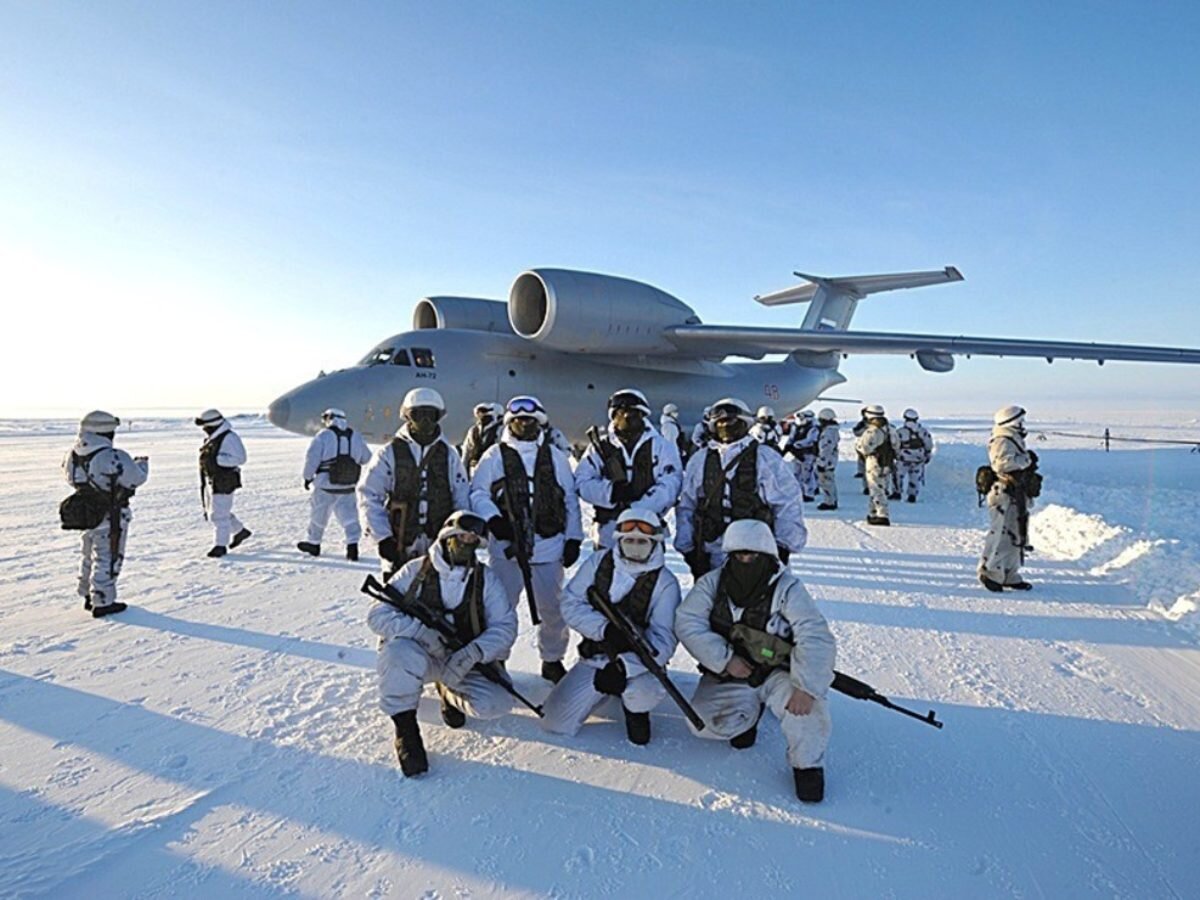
x,y
209,429
747,581
525,428
628,424
731,429
423,424
459,552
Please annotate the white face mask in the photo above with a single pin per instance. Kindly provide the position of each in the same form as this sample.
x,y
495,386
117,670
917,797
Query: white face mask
x,y
636,549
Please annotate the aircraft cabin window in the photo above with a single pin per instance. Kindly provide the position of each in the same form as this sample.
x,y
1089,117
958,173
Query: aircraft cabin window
x,y
401,358
422,358
378,357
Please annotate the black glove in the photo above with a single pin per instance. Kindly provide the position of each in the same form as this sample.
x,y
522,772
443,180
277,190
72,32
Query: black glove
x,y
501,528
611,679
697,561
571,553
615,641
389,550
622,493
784,553
307,484
1033,457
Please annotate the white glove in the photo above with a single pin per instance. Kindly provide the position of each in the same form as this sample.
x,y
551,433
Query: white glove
x,y
462,662
430,640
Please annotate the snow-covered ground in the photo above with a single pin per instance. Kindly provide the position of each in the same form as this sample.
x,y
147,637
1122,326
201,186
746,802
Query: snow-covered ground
x,y
221,737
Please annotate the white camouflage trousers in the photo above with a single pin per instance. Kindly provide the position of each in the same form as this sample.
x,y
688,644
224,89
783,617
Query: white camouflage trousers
x,y
805,470
1001,559
224,522
405,667
342,505
827,479
910,477
575,697
731,707
547,580
879,482
96,582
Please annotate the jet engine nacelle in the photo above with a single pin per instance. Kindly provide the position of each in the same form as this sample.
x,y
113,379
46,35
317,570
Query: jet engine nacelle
x,y
470,313
583,312
932,361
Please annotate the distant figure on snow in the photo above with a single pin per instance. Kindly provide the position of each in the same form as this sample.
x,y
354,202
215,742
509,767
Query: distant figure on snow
x,y
1015,483
221,457
916,449
331,469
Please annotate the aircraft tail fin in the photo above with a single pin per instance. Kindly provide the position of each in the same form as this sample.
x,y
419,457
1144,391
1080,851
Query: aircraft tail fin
x,y
833,300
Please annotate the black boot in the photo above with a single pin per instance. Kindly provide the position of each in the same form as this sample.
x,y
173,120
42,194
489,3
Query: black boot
x,y
217,552
410,749
352,552
637,727
310,548
240,537
827,506
993,586
1019,586
893,496
553,670
451,715
912,499
810,784
99,612
746,739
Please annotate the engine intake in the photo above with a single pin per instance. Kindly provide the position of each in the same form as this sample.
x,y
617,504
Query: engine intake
x,y
933,361
469,313
584,312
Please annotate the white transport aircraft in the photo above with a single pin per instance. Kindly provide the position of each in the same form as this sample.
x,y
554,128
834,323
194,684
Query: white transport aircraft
x,y
572,338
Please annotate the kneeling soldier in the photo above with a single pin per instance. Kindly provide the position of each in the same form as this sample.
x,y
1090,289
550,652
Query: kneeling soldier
x,y
450,581
633,578
761,641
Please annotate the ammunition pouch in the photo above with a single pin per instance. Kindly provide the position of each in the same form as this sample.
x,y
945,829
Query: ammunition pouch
x,y
761,648
225,480
84,509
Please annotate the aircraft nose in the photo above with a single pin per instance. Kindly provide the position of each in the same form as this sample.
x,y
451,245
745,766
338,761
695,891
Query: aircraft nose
x,y
279,412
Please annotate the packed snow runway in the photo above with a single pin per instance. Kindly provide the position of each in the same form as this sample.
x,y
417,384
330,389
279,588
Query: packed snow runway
x,y
221,737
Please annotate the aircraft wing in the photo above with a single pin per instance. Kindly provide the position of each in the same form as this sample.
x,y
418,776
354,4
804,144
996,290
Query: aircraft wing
x,y
934,351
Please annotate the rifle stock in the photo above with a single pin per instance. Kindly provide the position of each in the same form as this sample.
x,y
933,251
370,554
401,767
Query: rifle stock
x,y
386,593
644,653
521,551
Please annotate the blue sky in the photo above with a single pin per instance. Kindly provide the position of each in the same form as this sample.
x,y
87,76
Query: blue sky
x,y
206,203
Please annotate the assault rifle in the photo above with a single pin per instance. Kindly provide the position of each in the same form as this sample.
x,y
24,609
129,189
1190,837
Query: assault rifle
x,y
522,548
614,469
386,593
644,652
774,653
115,496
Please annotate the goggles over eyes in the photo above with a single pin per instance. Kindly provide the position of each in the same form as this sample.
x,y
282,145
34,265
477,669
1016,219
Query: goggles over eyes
x,y
524,406
633,526
469,526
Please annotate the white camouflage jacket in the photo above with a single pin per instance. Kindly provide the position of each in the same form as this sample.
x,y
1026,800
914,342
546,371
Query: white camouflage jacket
x,y
595,488
380,476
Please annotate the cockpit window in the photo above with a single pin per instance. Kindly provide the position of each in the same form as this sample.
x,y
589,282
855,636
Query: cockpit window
x,y
401,358
422,358
378,357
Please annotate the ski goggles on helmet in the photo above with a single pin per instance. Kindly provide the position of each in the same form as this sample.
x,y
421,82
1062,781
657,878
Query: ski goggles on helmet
x,y
726,411
635,526
524,406
467,527
627,400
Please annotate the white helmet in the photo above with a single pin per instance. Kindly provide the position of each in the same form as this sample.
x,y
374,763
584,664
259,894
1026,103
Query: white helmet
x,y
730,406
670,410
423,397
827,415
764,413
805,414
874,411
628,398
99,422
525,405
749,534
637,533
208,418
1008,415
463,521
911,414
332,415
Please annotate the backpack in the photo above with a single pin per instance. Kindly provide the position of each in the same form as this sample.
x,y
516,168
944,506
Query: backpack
x,y
885,454
83,510
985,477
343,469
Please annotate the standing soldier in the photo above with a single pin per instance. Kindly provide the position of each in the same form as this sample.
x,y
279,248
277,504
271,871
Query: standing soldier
x,y
412,483
525,490
221,457
735,478
859,427
331,468
1015,484
766,429
701,433
916,448
672,431
451,584
829,437
489,418
878,445
801,446
104,478
761,642
633,578
630,465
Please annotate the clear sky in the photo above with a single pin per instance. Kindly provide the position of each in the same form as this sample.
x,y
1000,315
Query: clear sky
x,y
205,203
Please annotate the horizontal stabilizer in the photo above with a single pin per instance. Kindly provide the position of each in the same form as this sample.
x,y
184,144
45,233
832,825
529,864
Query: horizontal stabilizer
x,y
857,286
